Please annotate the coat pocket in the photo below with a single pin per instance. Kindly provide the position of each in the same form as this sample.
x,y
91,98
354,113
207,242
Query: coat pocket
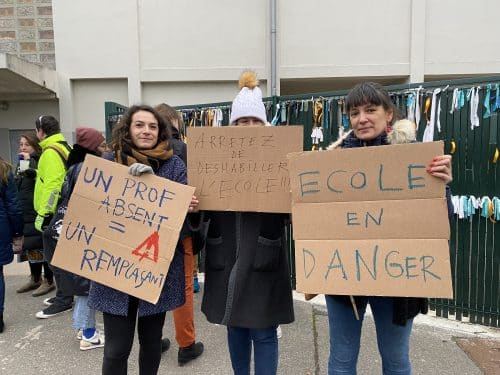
x,y
267,254
214,255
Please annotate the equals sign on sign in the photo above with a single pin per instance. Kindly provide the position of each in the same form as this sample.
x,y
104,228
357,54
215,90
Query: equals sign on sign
x,y
119,227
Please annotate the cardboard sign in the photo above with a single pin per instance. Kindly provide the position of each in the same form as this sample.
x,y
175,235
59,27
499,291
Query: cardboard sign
x,y
370,221
387,267
242,168
120,230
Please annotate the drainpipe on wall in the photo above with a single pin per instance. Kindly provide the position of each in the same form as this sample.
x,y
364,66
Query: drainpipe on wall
x,y
274,90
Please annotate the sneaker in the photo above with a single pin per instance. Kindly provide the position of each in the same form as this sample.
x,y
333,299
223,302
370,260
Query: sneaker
x,y
278,332
196,285
165,345
189,353
79,335
96,341
44,288
30,285
49,301
52,310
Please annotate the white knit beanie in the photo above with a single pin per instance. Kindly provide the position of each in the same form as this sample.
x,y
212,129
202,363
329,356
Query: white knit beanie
x,y
248,102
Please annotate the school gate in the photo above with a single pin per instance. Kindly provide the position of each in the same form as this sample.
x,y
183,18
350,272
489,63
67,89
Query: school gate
x,y
464,114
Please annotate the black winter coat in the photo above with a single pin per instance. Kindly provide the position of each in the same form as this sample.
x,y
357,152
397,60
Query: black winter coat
x,y
25,182
403,308
247,277
180,148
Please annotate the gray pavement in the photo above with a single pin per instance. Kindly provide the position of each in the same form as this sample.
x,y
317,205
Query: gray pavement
x,y
33,346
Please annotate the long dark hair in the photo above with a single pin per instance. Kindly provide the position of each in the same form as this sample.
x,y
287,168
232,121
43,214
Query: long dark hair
x,y
121,131
33,142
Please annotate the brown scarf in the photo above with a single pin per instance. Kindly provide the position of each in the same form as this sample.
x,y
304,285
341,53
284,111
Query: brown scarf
x,y
128,155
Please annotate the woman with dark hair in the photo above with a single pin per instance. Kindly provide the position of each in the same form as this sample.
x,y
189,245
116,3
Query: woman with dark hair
x,y
11,222
371,113
140,141
29,153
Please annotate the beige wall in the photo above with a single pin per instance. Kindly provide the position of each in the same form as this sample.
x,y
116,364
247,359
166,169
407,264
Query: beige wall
x,y
89,96
184,52
344,38
22,115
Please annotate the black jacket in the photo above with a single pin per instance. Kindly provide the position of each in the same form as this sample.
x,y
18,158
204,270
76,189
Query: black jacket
x,y
25,182
70,283
247,277
180,148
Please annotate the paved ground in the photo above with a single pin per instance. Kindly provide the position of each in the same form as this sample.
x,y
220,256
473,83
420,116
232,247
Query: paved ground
x,y
32,346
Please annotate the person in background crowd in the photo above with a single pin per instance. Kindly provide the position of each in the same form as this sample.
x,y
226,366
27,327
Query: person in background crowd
x,y
185,334
12,223
49,179
247,275
88,141
141,141
29,153
371,113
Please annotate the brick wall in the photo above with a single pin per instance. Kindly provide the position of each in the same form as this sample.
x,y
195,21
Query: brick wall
x,y
26,30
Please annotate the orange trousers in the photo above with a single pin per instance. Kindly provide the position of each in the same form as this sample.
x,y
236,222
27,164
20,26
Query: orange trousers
x,y
184,315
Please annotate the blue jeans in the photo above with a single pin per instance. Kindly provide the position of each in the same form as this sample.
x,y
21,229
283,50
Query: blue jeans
x,y
345,334
265,350
2,289
83,315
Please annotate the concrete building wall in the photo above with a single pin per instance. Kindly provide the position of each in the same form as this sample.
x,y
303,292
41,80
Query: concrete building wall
x,y
89,96
20,117
192,52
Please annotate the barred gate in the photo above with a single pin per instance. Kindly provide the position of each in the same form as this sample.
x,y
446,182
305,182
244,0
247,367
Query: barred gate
x,y
474,249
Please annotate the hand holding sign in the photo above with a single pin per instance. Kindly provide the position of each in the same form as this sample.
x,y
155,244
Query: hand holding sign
x,y
137,169
384,223
121,231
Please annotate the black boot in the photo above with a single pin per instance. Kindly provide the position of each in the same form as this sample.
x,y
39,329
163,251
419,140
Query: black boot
x,y
2,325
165,345
189,353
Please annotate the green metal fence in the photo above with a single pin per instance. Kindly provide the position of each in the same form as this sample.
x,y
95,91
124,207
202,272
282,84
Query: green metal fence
x,y
474,248
112,113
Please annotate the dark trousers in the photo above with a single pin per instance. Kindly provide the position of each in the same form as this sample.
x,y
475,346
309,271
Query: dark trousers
x,y
119,332
49,245
36,271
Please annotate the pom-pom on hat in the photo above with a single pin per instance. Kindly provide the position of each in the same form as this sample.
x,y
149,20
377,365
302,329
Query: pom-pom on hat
x,y
89,138
248,102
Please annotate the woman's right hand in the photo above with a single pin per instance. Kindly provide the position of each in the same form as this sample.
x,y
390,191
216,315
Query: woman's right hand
x,y
24,155
440,167
17,244
193,206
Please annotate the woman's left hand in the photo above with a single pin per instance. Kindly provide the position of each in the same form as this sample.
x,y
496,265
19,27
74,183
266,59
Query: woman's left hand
x,y
193,206
440,167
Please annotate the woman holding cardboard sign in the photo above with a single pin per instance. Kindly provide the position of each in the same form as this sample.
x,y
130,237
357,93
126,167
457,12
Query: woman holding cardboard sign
x,y
247,278
371,114
140,141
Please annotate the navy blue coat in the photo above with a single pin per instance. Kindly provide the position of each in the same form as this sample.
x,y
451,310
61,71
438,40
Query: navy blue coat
x,y
11,219
173,294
